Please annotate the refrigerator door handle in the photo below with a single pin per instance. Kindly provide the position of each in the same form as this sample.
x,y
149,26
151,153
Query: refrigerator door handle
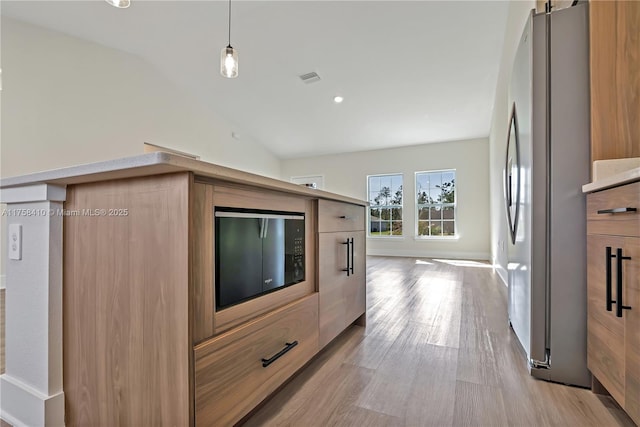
x,y
619,304
512,174
608,299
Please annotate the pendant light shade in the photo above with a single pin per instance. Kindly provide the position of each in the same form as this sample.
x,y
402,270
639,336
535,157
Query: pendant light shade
x,y
122,4
229,56
229,62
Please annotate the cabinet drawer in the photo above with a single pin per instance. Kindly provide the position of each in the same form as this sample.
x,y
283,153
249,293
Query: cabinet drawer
x,y
338,216
621,224
230,379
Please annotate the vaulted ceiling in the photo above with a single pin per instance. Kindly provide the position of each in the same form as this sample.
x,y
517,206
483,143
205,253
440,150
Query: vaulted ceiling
x,y
411,72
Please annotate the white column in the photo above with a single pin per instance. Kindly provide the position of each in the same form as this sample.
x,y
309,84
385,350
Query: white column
x,y
31,388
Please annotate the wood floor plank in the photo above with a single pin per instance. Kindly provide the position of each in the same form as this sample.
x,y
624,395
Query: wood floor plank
x,y
390,387
478,405
432,396
335,397
370,353
478,366
437,351
356,416
579,407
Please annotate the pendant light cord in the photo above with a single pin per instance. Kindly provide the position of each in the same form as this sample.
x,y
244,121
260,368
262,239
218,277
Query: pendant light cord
x,y
229,44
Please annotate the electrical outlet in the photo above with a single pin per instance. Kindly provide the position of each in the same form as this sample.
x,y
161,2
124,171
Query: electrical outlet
x,y
15,241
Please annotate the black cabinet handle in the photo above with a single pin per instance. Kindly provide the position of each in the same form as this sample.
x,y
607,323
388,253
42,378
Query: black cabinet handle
x,y
349,269
616,210
289,346
619,305
608,256
345,217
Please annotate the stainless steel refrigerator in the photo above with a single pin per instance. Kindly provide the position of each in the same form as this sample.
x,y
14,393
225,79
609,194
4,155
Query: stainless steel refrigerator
x,y
547,162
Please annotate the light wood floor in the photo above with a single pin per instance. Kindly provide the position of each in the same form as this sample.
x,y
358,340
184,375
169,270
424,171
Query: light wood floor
x,y
436,351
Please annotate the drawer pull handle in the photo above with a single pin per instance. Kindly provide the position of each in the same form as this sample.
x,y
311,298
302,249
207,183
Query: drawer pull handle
x,y
345,217
289,346
616,210
619,305
608,257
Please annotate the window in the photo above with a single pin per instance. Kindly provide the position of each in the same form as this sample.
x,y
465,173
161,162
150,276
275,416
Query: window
x,y
385,198
436,203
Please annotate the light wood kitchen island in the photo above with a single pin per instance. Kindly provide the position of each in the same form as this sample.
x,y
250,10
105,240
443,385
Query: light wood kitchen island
x,y
115,290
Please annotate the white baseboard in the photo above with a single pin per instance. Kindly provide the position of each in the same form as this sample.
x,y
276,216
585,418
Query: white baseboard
x,y
22,405
482,256
501,271
7,418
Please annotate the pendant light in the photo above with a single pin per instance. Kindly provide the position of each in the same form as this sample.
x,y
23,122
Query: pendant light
x,y
229,56
121,4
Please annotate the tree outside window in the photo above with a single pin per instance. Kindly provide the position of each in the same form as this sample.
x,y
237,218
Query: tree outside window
x,y
436,203
385,200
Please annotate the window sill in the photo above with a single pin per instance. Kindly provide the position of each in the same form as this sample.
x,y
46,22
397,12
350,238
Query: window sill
x,y
431,238
386,237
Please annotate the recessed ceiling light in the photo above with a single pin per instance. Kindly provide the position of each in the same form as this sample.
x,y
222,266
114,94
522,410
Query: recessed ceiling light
x,y
338,99
122,4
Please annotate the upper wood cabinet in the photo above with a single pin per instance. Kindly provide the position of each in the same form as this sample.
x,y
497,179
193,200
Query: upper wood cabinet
x,y
615,79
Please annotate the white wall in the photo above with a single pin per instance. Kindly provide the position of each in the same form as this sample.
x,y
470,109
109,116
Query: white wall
x,y
347,174
68,101
517,16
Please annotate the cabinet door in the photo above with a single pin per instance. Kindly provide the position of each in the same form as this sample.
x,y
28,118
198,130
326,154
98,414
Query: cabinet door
x,y
355,292
342,296
631,275
605,336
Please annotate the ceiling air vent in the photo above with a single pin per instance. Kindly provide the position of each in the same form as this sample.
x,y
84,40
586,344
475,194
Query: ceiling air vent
x,y
311,77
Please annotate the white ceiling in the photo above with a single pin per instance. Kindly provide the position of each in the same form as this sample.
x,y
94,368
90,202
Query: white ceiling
x,y
411,72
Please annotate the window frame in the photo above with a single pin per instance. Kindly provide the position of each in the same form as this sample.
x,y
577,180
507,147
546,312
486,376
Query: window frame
x,y
418,206
401,206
